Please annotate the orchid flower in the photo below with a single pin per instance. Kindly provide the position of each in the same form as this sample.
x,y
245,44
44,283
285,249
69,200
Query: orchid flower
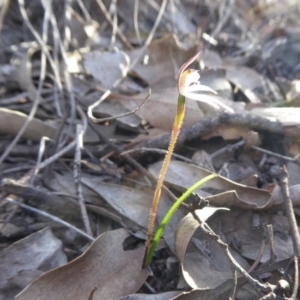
x,y
188,84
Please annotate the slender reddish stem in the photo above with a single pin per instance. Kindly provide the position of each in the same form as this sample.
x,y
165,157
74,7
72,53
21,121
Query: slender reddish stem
x,y
175,132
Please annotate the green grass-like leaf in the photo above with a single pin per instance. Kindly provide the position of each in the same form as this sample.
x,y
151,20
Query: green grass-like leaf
x,y
170,214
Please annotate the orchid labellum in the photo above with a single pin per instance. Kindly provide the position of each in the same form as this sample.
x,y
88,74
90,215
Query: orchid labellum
x,y
189,86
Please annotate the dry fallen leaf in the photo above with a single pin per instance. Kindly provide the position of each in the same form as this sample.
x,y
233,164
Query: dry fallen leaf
x,y
162,296
204,263
134,204
288,116
221,292
12,121
27,259
228,132
129,202
216,80
247,80
162,59
226,193
65,184
109,67
105,266
161,107
211,59
182,175
245,230
110,108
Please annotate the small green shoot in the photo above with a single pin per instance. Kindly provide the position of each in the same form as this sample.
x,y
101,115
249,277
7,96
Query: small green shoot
x,y
170,214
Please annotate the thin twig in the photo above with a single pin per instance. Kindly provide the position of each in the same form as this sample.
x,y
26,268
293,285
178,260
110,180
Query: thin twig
x,y
227,148
42,147
152,32
136,21
42,44
84,10
61,152
3,12
111,22
113,10
67,20
208,124
255,283
51,217
68,78
160,151
281,176
132,161
286,158
259,257
296,279
223,17
77,179
271,243
235,290
33,93
96,120
135,61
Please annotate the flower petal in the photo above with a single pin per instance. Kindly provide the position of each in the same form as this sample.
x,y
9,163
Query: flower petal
x,y
209,99
184,66
200,88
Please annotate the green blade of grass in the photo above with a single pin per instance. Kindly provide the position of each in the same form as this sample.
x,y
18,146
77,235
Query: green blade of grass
x,y
170,214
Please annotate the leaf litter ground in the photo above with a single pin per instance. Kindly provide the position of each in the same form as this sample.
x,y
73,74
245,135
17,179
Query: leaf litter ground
x,y
77,179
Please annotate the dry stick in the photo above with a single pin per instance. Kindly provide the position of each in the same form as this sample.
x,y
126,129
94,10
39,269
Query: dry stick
x,y
296,281
228,148
68,79
49,216
292,159
259,257
77,179
42,147
45,163
84,10
111,22
14,99
34,94
160,151
118,150
61,152
56,139
132,162
148,41
43,45
255,283
56,90
113,8
173,18
207,124
67,19
281,175
136,20
161,10
235,282
225,17
271,243
96,120
3,12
